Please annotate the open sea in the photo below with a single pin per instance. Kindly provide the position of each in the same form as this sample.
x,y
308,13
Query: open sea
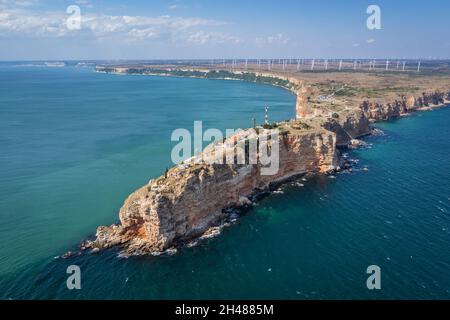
x,y
74,144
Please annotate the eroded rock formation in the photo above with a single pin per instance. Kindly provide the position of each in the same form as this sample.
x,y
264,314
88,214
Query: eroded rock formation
x,y
194,197
355,123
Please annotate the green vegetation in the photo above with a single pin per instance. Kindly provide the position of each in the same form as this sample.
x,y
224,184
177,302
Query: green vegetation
x,y
346,91
270,126
214,74
301,125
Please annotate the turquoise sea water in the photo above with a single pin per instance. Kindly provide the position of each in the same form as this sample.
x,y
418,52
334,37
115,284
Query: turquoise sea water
x,y
74,144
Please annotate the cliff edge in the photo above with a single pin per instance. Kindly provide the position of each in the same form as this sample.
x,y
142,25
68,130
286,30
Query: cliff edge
x,y
193,198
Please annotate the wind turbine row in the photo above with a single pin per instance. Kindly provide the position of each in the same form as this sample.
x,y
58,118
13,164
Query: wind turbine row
x,y
314,64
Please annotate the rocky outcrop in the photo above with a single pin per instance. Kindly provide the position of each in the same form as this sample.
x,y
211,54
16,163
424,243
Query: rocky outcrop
x,y
435,98
193,198
380,112
353,125
302,109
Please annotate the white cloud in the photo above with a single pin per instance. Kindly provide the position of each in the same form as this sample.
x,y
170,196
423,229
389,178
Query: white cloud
x,y
202,37
14,22
141,34
272,39
20,22
177,7
370,40
18,3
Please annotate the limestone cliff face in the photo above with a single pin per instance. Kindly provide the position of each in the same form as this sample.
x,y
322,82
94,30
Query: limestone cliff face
x,y
356,122
172,210
302,109
380,112
434,98
353,125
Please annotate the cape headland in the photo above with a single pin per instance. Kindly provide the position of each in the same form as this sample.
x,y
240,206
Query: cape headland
x,y
195,199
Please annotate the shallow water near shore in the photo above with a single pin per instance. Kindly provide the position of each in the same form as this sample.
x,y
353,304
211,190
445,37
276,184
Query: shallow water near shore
x,y
72,154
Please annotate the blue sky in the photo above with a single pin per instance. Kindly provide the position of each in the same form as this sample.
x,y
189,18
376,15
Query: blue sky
x,y
176,29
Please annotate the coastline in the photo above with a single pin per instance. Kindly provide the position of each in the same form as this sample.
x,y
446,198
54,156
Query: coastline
x,y
153,219
169,74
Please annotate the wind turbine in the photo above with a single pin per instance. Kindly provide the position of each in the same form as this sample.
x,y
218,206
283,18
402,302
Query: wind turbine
x,y
312,64
340,65
418,66
404,63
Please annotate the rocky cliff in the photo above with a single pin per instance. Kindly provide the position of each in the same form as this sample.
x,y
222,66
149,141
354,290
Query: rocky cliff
x,y
355,123
194,197
380,112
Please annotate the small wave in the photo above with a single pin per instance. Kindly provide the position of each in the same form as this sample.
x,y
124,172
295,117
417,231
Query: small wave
x,y
156,254
441,209
211,233
124,255
192,244
378,132
171,251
